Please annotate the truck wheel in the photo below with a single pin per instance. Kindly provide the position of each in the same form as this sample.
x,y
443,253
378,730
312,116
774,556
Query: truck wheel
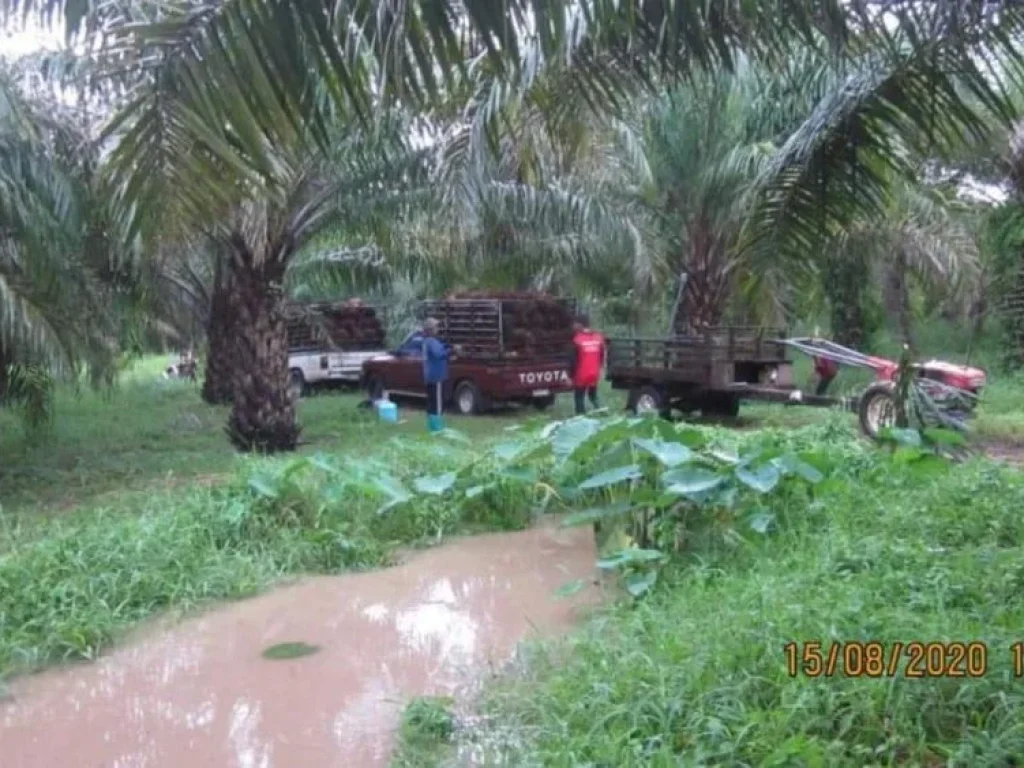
x,y
877,409
374,389
297,383
646,399
466,399
543,403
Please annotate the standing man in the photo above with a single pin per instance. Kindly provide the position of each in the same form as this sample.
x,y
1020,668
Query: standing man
x,y
435,373
587,360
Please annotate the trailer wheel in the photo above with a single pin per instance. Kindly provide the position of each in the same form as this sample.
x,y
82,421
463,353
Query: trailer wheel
x,y
646,399
297,384
877,409
721,405
466,399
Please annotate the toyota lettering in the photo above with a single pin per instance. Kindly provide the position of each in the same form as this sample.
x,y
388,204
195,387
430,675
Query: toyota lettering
x,y
544,377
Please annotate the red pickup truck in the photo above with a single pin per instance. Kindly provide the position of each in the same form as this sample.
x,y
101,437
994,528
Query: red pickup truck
x,y
485,370
473,386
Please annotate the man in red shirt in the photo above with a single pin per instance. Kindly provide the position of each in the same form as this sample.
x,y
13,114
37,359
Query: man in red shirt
x,y
587,359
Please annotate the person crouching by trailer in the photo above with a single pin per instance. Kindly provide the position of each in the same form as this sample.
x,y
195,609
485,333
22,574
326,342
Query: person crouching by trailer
x,y
588,349
435,373
825,370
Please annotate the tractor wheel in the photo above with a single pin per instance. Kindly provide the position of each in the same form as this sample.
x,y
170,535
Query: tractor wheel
x,y
467,399
647,399
877,409
297,384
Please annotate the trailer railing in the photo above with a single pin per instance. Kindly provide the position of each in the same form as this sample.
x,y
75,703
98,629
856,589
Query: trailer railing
x,y
730,344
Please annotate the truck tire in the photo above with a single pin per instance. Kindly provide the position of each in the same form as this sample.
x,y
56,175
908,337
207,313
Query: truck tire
x,y
647,399
543,403
467,399
374,388
876,409
297,383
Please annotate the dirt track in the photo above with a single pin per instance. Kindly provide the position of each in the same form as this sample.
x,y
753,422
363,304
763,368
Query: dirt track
x,y
1008,453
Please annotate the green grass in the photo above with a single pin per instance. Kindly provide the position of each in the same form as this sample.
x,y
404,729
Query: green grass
x,y
136,506
695,674
70,585
426,733
115,448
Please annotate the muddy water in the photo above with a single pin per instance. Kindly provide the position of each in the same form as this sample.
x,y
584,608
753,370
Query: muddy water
x,y
201,694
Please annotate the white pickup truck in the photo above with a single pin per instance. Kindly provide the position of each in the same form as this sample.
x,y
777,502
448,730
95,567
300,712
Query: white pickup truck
x,y
316,356
310,367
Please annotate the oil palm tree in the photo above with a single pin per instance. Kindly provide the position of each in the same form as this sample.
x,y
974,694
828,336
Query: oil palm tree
x,y
60,288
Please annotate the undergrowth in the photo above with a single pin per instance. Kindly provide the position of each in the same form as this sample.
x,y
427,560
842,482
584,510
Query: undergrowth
x,y
70,585
892,546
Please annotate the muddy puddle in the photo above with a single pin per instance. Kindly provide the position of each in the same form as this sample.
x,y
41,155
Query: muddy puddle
x,y
202,694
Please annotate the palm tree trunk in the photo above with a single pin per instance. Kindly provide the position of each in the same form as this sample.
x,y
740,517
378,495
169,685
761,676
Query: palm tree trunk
x,y
708,283
220,340
3,372
263,415
898,299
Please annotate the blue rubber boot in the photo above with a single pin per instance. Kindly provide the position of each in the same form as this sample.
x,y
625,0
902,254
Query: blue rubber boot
x,y
434,423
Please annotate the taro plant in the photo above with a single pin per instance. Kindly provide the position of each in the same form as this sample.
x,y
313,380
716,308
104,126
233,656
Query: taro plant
x,y
648,487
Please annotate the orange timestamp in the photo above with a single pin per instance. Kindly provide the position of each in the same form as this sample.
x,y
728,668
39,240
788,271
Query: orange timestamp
x,y
912,659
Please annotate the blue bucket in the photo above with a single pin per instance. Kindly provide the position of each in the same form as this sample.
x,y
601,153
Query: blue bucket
x,y
387,411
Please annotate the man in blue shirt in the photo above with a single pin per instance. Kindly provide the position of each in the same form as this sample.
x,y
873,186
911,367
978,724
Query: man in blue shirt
x,y
435,373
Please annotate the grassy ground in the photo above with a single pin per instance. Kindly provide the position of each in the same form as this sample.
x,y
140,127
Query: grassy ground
x,y
136,505
695,673
151,434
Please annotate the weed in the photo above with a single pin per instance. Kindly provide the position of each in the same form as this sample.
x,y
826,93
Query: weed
x,y
696,673
426,732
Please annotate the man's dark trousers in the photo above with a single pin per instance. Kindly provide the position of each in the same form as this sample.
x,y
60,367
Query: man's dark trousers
x,y
579,393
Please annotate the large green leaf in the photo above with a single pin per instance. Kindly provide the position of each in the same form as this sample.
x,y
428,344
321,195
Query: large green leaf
x,y
639,583
794,465
763,478
691,480
435,485
508,451
570,435
594,514
612,477
264,485
669,454
392,488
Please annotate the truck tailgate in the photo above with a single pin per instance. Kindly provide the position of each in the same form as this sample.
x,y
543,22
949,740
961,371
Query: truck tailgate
x,y
535,380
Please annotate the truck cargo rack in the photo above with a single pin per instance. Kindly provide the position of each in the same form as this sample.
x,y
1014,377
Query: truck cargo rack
x,y
307,331
478,326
